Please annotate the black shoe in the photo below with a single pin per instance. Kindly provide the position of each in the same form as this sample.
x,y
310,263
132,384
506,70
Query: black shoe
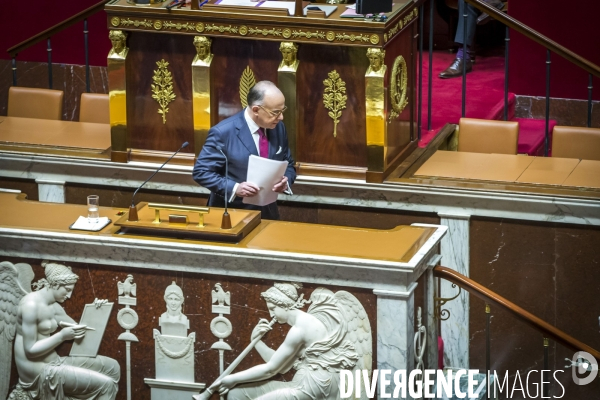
x,y
484,17
456,69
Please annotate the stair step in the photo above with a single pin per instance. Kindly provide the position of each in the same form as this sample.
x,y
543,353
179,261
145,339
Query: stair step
x,y
531,136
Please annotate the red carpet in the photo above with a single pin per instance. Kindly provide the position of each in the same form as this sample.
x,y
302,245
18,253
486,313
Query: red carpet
x,y
485,93
485,100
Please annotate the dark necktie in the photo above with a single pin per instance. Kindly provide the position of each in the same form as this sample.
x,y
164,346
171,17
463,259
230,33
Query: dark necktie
x,y
263,143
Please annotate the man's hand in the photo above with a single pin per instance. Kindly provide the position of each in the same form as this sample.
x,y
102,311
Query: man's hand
x,y
281,185
246,189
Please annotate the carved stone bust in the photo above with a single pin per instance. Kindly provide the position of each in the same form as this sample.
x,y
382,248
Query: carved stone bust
x,y
173,321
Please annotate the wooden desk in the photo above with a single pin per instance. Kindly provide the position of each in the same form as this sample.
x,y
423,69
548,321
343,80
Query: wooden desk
x,y
478,166
548,171
50,135
373,132
395,245
586,174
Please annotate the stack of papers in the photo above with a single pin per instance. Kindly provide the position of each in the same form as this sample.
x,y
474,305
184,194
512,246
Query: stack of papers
x,y
264,173
90,224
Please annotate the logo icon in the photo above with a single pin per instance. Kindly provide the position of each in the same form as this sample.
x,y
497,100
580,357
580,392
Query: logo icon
x,y
584,363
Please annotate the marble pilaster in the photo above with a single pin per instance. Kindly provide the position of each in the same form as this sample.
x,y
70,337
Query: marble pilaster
x,y
51,191
395,329
455,255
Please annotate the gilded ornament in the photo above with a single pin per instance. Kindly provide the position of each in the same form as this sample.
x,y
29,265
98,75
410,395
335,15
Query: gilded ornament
x,y
243,30
330,36
200,27
265,32
334,98
416,11
287,33
398,92
376,58
308,35
162,88
202,45
157,25
289,53
374,39
114,21
246,82
352,37
385,37
119,44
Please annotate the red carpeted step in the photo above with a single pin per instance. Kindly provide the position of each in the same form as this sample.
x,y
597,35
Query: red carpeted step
x,y
485,93
531,136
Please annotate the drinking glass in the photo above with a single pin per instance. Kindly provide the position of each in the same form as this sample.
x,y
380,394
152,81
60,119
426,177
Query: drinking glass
x,y
93,206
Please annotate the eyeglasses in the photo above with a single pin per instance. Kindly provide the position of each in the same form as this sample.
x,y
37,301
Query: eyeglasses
x,y
274,113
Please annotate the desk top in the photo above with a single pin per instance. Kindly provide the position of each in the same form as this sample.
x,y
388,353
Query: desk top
x,y
396,245
478,166
586,174
512,168
51,134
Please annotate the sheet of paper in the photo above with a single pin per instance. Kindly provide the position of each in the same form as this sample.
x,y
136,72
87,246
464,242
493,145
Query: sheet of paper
x,y
264,173
96,318
246,3
289,5
90,224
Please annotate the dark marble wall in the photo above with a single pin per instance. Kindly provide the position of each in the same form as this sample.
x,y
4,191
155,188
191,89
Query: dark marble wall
x,y
25,186
66,77
247,307
550,270
569,112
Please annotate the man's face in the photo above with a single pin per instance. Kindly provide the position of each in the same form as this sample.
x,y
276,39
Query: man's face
x,y
375,62
117,44
288,56
201,49
268,114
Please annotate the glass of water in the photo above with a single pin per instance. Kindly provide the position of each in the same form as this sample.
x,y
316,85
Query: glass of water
x,y
93,203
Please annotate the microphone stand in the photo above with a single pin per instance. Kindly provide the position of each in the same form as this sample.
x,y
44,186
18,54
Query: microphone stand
x,y
133,214
226,220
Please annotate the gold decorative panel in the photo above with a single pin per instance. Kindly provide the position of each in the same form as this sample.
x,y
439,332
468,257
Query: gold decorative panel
x,y
334,97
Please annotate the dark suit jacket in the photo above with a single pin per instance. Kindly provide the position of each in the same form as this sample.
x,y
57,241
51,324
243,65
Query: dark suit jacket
x,y
235,139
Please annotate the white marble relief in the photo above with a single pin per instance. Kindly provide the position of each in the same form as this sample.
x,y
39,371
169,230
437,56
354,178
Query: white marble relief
x,y
333,334
174,351
128,320
220,326
455,255
38,315
51,191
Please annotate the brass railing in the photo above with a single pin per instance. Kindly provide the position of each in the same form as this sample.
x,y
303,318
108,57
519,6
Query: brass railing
x,y
493,299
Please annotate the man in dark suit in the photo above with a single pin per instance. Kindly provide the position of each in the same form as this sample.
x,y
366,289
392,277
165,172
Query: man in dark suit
x,y
258,130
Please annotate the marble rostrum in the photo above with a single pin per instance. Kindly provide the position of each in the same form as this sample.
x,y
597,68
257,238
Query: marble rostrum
x,y
333,334
34,318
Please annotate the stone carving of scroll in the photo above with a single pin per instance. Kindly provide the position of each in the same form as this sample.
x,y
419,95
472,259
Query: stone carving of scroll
x,y
42,373
335,334
174,351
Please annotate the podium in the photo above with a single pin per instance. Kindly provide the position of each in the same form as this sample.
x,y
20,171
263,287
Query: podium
x,y
190,222
349,83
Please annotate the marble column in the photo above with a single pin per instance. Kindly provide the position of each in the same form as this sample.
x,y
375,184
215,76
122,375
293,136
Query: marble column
x,y
431,351
51,191
395,329
455,255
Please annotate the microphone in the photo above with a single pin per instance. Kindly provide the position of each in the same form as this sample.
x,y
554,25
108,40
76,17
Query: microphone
x,y
133,215
226,220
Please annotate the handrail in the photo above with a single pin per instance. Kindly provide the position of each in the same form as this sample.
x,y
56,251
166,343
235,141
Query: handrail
x,y
536,37
13,51
491,297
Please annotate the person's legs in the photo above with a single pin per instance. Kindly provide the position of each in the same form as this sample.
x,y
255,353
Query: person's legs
x,y
462,56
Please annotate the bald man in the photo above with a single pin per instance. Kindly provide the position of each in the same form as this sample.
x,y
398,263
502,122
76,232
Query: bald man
x,y
258,130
